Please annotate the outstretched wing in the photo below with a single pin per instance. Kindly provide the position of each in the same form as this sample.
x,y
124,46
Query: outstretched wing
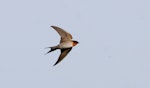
x,y
64,52
64,35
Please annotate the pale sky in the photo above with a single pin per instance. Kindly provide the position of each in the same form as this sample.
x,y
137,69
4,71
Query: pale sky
x,y
114,48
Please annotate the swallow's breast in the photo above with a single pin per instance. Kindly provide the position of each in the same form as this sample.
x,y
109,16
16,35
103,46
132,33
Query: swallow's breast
x,y
66,45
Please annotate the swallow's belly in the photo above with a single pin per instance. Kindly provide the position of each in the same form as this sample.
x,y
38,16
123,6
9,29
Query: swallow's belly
x,y
66,45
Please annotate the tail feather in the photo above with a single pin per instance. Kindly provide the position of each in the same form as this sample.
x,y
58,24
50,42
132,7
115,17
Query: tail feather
x,y
51,49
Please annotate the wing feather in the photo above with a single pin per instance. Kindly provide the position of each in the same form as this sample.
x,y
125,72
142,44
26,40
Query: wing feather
x,y
64,52
64,35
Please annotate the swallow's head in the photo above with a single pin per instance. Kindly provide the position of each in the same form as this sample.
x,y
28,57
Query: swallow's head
x,y
75,42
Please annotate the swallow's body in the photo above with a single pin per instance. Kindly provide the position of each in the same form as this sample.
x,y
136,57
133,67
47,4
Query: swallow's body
x,y
66,43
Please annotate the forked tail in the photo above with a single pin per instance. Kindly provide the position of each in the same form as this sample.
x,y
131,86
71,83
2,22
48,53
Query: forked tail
x,y
52,49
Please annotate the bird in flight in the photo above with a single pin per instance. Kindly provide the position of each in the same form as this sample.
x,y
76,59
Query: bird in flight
x,y
65,45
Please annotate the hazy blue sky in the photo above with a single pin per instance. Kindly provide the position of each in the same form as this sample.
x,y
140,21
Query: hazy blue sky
x,y
114,48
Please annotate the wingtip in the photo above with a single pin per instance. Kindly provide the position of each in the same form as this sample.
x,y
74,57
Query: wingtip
x,y
55,64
